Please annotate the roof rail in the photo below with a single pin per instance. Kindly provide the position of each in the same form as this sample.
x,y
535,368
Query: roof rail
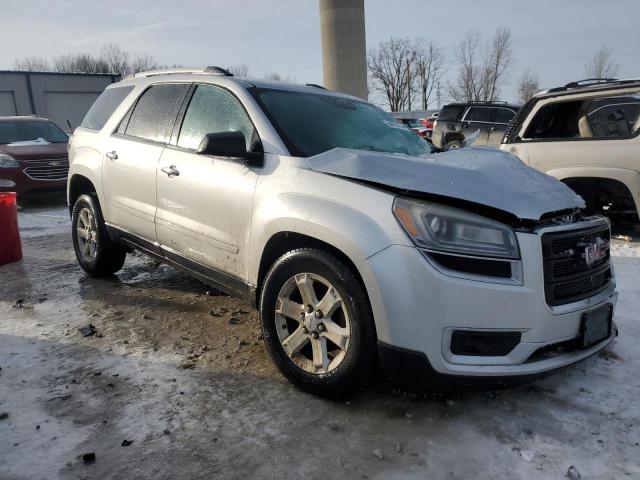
x,y
589,81
169,71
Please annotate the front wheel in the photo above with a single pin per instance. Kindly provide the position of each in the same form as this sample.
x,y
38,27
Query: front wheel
x,y
96,253
317,323
453,145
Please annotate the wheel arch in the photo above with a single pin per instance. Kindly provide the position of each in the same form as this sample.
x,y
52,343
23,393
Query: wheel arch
x,y
285,241
78,185
621,179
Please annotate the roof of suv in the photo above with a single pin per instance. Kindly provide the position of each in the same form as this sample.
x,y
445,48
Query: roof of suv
x,y
588,86
482,104
23,118
211,73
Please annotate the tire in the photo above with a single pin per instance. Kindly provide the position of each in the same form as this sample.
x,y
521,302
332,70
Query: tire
x,y
351,359
100,256
453,145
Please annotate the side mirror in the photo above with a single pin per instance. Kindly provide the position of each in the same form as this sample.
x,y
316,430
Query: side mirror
x,y
229,144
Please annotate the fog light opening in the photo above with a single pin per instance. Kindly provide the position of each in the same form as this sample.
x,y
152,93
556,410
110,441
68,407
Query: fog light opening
x,y
483,344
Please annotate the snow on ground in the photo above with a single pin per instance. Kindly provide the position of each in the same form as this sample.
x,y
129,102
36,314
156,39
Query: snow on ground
x,y
199,398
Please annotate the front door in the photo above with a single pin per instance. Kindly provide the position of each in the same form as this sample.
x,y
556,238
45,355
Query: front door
x,y
131,156
205,203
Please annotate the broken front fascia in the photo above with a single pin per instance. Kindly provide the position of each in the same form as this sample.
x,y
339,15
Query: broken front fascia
x,y
480,175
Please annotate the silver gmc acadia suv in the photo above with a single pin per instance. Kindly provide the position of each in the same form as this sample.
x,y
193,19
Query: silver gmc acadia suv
x,y
359,245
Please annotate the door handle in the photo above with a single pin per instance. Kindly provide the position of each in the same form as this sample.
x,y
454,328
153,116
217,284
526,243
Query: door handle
x,y
171,171
112,155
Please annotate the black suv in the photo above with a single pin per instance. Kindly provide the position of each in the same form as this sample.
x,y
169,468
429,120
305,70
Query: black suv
x,y
459,120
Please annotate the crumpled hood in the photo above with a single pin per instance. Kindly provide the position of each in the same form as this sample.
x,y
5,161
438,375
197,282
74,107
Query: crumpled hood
x,y
480,175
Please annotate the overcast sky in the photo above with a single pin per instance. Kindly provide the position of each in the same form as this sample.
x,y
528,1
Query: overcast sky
x,y
553,38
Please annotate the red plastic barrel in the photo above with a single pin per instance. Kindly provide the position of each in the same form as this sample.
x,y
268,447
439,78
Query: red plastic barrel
x,y
10,248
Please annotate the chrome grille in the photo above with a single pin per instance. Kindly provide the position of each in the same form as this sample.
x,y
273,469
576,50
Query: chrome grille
x,y
49,169
567,274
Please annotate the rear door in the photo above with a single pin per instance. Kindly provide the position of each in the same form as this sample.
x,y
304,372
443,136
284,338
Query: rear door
x,y
502,116
131,158
204,202
478,118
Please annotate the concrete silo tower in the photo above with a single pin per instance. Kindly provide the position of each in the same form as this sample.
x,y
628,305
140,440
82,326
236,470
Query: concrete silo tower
x,y
344,47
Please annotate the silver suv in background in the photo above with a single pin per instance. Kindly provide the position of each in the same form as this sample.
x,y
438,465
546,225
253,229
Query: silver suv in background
x,y
355,242
457,121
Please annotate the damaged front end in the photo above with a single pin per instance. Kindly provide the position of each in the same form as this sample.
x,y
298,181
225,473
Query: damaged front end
x,y
485,181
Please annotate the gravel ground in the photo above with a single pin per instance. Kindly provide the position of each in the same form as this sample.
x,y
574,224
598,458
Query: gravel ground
x,y
183,376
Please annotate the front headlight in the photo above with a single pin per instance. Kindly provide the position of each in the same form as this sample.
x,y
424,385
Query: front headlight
x,y
7,161
439,228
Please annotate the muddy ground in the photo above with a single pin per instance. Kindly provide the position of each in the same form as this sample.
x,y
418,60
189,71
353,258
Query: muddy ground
x,y
184,377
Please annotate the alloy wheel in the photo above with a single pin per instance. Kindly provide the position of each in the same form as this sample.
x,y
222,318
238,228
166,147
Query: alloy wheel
x,y
312,323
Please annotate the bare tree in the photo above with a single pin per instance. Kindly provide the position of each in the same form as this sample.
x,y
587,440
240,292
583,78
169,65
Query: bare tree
x,y
392,72
116,58
143,63
428,64
277,77
31,64
481,73
528,86
602,65
241,70
81,63
469,82
497,62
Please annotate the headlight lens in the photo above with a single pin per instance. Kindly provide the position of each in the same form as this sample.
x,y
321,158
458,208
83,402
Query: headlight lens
x,y
451,230
7,161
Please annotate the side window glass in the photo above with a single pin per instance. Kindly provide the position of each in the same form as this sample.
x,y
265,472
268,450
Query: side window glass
x,y
479,114
104,106
155,113
612,117
504,115
557,121
214,110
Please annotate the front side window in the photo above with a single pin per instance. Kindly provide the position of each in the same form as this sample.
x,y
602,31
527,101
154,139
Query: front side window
x,y
479,114
104,106
155,113
591,118
451,113
214,110
25,131
312,123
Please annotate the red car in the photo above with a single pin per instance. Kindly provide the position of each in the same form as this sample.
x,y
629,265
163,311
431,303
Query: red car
x,y
33,155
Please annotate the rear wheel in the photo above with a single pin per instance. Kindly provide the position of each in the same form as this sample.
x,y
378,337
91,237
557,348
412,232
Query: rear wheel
x,y
317,323
96,253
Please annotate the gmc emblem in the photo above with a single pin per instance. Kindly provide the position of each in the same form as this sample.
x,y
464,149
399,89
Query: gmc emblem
x,y
595,251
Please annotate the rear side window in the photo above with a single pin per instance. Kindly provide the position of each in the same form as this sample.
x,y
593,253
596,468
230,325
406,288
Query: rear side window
x,y
104,106
155,113
213,110
451,113
504,115
614,116
479,114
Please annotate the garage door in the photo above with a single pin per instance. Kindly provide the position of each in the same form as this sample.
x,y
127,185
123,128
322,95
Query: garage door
x,y
66,108
7,103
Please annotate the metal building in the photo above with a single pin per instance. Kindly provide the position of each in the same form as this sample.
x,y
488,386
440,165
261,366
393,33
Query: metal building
x,y
61,97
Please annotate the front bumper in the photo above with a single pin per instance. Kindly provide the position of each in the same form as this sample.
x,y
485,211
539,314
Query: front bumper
x,y
417,307
16,180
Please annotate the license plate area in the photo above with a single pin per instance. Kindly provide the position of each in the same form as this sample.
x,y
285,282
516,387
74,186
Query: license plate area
x,y
595,325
